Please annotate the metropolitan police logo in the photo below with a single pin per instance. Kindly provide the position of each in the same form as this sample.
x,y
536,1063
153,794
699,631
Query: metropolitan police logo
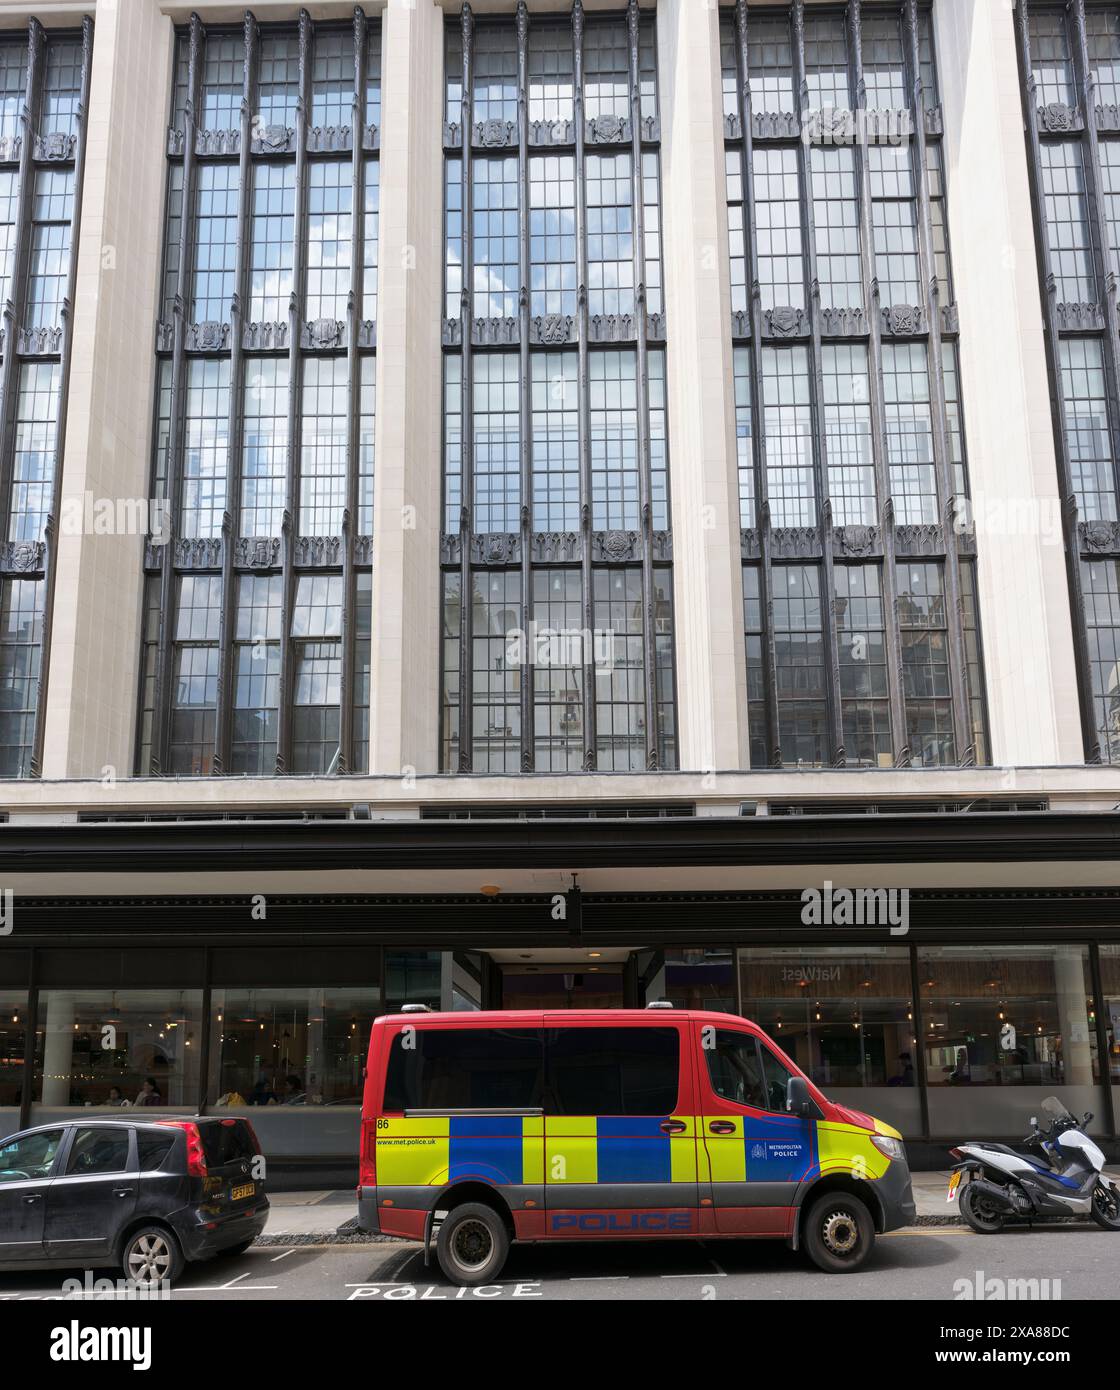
x,y
758,1150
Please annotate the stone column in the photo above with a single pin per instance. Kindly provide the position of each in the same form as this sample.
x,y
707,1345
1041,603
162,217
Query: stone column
x,y
93,673
404,673
704,485
1073,1016
1023,594
58,1049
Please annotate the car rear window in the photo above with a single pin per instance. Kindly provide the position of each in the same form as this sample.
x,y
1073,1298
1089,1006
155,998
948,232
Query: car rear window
x,y
226,1141
153,1149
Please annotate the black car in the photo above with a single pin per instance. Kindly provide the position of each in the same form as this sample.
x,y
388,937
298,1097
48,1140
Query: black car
x,y
145,1195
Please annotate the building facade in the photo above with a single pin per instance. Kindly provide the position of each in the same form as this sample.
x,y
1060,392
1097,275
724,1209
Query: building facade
x,y
522,504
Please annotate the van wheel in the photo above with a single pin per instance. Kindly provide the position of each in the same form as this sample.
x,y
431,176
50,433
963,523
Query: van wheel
x,y
151,1256
473,1244
839,1233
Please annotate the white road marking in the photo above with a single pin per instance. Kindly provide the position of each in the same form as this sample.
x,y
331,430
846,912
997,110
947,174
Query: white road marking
x,y
285,1255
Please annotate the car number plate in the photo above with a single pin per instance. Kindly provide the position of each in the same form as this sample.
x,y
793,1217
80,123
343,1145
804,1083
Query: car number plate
x,y
245,1190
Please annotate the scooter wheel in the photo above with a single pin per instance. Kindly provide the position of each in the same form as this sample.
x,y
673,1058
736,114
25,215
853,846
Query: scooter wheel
x,y
980,1215
1106,1206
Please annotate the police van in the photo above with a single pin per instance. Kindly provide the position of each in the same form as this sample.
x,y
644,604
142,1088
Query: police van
x,y
479,1129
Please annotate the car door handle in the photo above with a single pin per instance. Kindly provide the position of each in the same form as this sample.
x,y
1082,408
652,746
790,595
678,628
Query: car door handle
x,y
673,1126
32,1198
122,1191
722,1127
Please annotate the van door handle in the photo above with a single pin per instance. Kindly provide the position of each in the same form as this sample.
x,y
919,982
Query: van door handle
x,y
673,1126
722,1127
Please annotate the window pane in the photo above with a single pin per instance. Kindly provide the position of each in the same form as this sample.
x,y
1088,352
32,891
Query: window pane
x,y
613,1071
1004,1027
467,1068
845,1017
108,1048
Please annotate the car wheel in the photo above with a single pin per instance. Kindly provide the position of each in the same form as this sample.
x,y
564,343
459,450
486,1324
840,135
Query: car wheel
x,y
838,1233
151,1256
979,1213
473,1244
1106,1205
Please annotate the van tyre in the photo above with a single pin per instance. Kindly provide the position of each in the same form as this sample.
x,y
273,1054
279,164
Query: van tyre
x,y
838,1233
151,1256
473,1244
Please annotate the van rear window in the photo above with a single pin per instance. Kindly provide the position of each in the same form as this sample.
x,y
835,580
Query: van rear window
x,y
465,1069
564,1071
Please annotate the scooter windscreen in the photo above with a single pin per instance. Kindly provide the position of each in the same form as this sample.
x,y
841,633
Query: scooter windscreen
x,y
1055,1109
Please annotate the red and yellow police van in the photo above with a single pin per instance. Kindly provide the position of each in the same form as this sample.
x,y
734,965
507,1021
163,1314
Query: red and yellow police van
x,y
479,1129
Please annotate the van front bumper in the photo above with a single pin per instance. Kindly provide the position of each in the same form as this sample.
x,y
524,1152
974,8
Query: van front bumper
x,y
897,1196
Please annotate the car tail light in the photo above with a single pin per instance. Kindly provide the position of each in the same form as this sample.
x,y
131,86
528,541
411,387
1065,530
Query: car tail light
x,y
196,1155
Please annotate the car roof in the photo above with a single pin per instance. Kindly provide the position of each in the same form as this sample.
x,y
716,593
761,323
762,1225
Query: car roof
x,y
100,1121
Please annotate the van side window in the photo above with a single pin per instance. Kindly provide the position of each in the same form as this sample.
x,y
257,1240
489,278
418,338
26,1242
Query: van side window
x,y
613,1071
465,1069
735,1070
776,1077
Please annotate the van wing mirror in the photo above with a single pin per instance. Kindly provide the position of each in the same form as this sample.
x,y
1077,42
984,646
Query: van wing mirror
x,y
799,1099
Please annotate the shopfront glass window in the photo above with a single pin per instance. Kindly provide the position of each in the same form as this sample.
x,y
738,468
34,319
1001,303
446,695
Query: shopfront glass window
x,y
845,1016
1003,1027
447,980
116,1049
1110,983
691,977
292,1060
13,1019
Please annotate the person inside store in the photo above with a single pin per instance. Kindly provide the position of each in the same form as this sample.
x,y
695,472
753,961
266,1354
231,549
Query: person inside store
x,y
149,1093
115,1098
905,1075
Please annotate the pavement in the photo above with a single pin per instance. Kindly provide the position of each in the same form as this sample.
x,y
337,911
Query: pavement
x,y
329,1215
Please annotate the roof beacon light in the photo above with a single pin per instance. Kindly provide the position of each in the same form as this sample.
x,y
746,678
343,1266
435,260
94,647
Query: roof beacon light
x,y
416,1009
660,1004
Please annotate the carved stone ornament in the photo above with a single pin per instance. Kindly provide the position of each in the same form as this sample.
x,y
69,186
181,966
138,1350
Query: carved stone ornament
x,y
23,557
273,139
324,333
608,130
556,547
1100,537
785,322
256,552
902,319
495,547
198,552
210,336
919,538
55,146
551,329
855,540
493,134
315,552
843,323
617,546
1056,116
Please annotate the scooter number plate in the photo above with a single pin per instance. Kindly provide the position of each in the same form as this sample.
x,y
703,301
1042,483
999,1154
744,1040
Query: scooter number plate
x,y
954,1183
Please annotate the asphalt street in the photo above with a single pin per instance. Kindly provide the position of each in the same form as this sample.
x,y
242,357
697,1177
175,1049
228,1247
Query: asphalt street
x,y
934,1263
